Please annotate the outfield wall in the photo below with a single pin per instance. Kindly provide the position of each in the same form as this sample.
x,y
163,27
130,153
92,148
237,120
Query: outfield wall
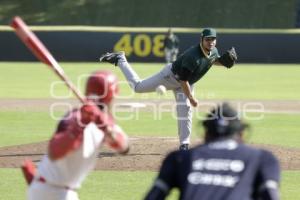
x,y
146,44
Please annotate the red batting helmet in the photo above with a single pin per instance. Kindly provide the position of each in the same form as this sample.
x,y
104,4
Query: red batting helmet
x,y
102,87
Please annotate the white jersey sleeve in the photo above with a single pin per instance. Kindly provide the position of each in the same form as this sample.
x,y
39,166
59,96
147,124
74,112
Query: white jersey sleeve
x,y
71,170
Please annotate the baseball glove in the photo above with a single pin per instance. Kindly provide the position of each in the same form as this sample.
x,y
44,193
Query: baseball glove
x,y
229,58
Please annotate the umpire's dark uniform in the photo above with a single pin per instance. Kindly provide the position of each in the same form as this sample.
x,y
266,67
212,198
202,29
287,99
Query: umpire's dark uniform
x,y
220,169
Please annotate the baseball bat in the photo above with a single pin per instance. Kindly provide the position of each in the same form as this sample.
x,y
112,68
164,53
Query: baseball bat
x,y
42,53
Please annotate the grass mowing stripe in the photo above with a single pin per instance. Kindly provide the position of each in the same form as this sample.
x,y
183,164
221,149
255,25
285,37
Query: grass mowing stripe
x,y
118,185
290,185
272,82
12,184
28,126
277,129
25,127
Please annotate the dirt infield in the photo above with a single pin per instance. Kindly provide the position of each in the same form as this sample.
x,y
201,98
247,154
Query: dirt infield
x,y
146,154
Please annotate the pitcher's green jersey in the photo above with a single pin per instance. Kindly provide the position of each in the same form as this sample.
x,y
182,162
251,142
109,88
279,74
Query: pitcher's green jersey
x,y
196,62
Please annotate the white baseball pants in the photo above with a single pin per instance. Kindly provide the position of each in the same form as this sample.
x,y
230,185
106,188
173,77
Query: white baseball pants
x,y
43,191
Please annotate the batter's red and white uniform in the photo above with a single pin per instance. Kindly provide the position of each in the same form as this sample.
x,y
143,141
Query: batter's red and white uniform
x,y
76,155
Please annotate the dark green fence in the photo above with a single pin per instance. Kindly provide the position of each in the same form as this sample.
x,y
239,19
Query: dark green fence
x,y
154,13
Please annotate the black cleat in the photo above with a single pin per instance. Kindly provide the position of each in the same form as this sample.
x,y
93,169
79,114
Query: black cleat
x,y
112,58
184,147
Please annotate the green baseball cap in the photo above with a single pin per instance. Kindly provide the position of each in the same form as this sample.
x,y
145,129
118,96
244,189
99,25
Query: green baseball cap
x,y
209,32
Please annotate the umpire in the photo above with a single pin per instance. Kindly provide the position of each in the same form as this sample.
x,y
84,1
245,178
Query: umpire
x,y
223,168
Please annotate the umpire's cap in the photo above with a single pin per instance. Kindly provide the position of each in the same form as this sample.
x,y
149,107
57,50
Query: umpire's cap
x,y
223,121
209,32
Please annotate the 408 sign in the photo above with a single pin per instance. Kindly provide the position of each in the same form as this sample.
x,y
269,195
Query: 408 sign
x,y
141,45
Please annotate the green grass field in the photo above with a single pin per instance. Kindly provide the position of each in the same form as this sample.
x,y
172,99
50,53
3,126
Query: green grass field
x,y
265,131
109,185
270,82
253,82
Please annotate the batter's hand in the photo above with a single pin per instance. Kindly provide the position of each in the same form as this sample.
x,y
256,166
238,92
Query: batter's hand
x,y
117,139
91,113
